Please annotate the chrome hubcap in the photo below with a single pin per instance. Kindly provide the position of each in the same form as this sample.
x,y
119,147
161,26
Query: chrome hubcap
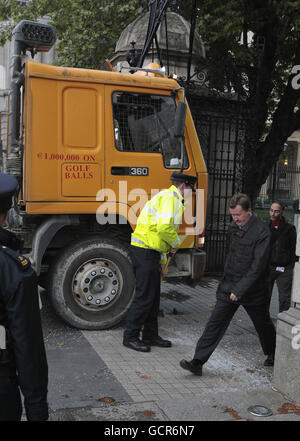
x,y
97,283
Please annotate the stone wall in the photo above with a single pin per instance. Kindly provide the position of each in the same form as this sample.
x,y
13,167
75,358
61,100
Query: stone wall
x,y
287,357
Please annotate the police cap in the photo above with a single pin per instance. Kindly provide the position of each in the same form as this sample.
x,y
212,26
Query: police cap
x,y
8,186
182,177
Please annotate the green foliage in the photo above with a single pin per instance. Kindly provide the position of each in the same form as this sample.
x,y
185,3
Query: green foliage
x,y
88,33
251,48
238,32
87,30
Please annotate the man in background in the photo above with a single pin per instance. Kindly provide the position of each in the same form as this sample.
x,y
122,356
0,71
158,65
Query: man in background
x,y
283,254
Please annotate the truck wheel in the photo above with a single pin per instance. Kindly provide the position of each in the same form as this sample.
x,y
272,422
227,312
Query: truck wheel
x,y
92,284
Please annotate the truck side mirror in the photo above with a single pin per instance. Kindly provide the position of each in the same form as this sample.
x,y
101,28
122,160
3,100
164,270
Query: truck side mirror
x,y
180,116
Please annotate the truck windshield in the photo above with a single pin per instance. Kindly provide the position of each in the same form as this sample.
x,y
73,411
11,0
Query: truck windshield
x,y
144,123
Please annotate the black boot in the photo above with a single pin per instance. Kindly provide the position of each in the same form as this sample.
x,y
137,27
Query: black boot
x,y
157,341
136,345
269,361
194,366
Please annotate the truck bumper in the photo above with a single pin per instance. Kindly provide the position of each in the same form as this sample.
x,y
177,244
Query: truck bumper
x,y
187,263
198,263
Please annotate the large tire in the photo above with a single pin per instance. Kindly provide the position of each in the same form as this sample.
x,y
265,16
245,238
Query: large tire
x,y
92,284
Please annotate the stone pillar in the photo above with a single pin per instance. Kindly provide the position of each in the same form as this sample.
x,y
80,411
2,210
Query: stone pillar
x,y
287,358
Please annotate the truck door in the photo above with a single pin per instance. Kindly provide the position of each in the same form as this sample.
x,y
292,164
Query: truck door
x,y
140,150
64,152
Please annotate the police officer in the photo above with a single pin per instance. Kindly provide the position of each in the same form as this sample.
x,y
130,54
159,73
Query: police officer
x,y
23,363
155,235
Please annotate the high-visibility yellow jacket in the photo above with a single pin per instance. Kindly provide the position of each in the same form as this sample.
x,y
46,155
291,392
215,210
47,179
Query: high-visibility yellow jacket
x,y
158,223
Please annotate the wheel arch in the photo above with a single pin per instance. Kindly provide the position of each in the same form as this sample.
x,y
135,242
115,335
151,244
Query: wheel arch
x,y
48,231
45,233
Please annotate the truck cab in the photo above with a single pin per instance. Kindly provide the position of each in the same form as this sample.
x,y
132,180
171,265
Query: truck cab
x,y
89,148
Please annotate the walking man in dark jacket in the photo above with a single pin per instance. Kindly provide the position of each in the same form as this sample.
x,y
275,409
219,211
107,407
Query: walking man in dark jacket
x,y
23,363
245,282
283,254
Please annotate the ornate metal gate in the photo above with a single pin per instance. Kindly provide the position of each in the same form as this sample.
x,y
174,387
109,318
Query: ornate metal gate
x,y
221,129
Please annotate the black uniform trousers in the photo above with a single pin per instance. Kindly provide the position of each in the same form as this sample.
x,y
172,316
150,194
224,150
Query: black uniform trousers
x,y
284,283
145,305
10,397
219,321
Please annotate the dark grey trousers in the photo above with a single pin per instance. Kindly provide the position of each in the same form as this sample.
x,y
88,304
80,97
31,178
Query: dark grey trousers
x,y
284,284
219,321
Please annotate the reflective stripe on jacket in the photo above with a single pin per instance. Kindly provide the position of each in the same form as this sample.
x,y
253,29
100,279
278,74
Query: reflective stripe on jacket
x,y
158,223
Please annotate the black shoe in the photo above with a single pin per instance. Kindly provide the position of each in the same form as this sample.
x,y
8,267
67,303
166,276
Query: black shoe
x,y
137,345
194,366
158,341
269,361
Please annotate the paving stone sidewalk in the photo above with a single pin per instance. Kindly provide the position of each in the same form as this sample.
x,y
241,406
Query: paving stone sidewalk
x,y
233,379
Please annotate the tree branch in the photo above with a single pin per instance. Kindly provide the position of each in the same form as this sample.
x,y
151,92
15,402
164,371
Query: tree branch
x,y
265,64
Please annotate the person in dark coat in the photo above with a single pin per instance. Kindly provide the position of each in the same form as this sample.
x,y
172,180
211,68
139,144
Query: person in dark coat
x,y
283,254
245,282
23,363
